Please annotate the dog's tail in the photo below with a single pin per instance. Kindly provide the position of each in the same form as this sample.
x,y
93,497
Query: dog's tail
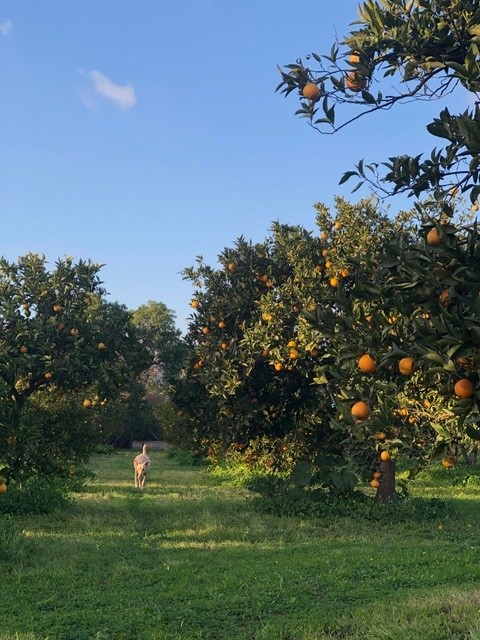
x,y
144,449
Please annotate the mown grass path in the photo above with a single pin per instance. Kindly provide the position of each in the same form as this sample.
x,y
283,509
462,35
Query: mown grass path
x,y
189,558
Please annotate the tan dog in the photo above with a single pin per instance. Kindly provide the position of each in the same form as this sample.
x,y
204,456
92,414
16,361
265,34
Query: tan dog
x,y
141,465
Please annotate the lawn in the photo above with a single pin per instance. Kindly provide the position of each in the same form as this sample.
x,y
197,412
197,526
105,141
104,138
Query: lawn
x,y
191,558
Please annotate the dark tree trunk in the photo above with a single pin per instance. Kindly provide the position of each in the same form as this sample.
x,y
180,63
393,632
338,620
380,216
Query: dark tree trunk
x,y
386,490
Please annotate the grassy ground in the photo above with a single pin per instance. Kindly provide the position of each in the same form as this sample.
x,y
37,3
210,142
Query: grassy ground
x,y
191,559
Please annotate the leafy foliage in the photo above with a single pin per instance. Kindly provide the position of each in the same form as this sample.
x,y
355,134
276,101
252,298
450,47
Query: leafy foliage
x,y
426,48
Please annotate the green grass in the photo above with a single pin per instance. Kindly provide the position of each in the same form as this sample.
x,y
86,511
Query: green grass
x,y
191,559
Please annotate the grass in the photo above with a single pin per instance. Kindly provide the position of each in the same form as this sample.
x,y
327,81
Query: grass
x,y
192,559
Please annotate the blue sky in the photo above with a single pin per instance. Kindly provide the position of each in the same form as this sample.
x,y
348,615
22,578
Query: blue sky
x,y
142,134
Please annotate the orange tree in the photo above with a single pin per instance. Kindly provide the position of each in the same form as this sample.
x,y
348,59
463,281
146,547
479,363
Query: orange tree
x,y
57,331
399,51
273,328
425,49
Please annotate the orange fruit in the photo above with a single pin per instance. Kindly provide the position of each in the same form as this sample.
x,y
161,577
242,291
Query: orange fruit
x,y
3,487
377,475
354,58
292,343
447,463
221,325
406,366
433,237
381,435
267,317
444,298
367,364
278,366
344,273
205,330
323,235
231,266
355,82
334,282
101,346
195,304
337,226
464,388
375,483
360,410
224,345
57,308
23,349
311,91
293,355
74,331
87,403
48,375
314,352
384,456
328,264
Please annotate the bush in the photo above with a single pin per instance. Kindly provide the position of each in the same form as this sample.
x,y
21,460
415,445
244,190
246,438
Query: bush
x,y
183,457
39,496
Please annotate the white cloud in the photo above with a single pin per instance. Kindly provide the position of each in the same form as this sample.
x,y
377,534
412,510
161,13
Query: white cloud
x,y
5,28
123,96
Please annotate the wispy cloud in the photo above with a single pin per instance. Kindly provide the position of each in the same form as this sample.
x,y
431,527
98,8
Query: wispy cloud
x,y
5,28
101,87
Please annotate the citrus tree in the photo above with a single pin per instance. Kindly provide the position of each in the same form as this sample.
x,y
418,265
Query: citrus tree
x,y
57,330
277,332
401,51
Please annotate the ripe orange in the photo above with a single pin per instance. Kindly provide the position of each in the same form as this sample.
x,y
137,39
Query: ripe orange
x,y
267,317
464,388
328,264
311,91
48,375
195,304
464,362
384,456
3,487
433,237
377,475
314,352
375,483
224,345
292,344
367,364
406,366
87,403
57,308
444,298
323,235
337,226
344,273
381,435
334,282
74,331
293,355
355,82
221,324
205,330
354,58
448,464
278,366
23,349
360,410
101,346
231,266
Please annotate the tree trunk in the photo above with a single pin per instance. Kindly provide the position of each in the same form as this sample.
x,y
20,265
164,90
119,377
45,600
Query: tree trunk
x,y
386,490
